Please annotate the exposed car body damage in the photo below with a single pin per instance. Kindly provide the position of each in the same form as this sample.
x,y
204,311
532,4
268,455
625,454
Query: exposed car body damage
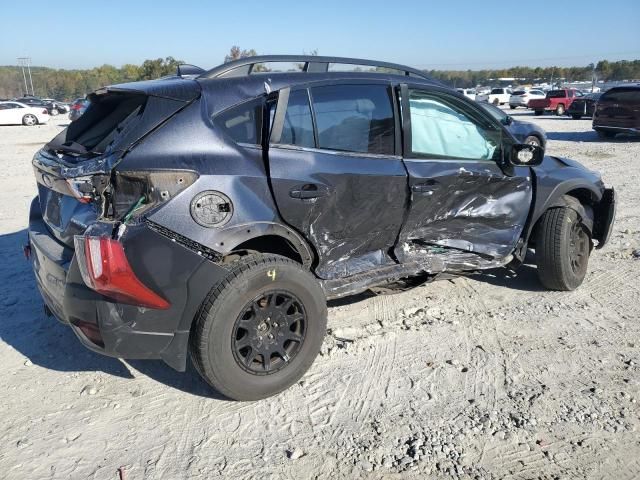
x,y
355,219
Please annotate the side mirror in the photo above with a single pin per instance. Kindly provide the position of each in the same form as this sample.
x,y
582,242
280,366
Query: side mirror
x,y
526,155
508,120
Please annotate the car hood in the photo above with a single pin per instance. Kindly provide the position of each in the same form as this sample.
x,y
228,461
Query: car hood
x,y
552,165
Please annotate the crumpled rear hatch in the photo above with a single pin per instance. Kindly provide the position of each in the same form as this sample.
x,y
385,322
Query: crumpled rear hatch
x,y
79,161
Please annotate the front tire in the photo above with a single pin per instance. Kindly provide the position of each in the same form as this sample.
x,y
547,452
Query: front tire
x,y
29,120
533,140
576,117
562,249
496,102
260,328
538,112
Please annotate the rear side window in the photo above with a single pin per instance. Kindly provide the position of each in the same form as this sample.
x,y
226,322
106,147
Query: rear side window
x,y
354,118
298,125
556,94
243,123
497,91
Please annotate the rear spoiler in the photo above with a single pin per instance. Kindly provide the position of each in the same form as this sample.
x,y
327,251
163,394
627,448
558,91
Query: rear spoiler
x,y
186,69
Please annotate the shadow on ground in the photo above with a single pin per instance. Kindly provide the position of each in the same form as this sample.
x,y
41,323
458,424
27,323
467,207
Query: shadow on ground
x,y
590,136
48,343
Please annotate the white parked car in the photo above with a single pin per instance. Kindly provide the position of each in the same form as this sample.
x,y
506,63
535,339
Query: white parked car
x,y
497,96
16,113
520,98
467,92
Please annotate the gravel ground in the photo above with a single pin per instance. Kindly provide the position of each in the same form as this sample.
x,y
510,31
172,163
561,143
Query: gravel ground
x,y
482,377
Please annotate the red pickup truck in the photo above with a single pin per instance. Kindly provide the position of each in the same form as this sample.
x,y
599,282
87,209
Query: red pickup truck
x,y
556,100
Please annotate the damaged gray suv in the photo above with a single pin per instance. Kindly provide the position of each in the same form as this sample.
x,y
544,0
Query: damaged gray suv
x,y
211,214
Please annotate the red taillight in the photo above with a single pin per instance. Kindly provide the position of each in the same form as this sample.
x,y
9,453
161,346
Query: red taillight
x,y
105,269
75,106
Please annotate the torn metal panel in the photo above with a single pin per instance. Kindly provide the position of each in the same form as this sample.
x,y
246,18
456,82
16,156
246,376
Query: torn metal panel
x,y
467,205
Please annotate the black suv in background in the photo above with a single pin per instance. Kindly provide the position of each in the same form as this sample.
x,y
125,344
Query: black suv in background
x,y
213,213
618,111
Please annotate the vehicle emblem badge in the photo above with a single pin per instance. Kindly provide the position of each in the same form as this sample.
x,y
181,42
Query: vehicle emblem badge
x,y
211,209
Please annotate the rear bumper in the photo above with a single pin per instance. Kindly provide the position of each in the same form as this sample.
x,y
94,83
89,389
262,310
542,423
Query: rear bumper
x,y
177,273
520,102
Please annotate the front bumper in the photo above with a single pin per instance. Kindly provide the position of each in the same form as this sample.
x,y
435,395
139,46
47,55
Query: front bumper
x,y
179,274
605,217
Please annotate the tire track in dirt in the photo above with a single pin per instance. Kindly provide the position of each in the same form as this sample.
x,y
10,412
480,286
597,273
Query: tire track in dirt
x,y
486,357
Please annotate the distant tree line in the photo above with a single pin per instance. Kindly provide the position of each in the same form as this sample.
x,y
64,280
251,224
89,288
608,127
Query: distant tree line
x,y
604,70
70,84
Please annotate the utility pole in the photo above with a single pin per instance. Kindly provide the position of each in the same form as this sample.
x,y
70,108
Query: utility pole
x,y
26,62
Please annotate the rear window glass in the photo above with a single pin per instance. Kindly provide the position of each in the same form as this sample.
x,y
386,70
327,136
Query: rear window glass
x,y
622,95
298,125
519,92
98,126
354,118
556,94
243,123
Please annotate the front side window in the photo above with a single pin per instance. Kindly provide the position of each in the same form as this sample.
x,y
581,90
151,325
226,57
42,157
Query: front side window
x,y
298,126
497,91
442,128
354,118
243,123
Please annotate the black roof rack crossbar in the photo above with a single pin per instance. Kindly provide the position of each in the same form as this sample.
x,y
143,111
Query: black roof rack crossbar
x,y
311,63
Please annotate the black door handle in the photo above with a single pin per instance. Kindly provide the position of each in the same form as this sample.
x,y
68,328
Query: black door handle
x,y
309,190
427,186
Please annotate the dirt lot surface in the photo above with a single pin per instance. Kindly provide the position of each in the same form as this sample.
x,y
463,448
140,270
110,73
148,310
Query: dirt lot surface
x,y
482,377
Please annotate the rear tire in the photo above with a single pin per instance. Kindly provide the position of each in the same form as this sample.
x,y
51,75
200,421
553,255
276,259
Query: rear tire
x,y
560,110
496,102
562,249
513,107
538,112
606,134
260,328
29,120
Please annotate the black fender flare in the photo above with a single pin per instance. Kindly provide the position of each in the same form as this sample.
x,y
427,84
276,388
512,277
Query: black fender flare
x,y
239,234
560,197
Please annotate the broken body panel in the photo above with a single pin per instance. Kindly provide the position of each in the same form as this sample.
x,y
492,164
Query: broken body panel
x,y
369,220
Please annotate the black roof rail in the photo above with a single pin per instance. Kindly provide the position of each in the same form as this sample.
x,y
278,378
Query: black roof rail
x,y
311,64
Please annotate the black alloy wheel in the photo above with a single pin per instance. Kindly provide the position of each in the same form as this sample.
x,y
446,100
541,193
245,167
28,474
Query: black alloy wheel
x,y
269,332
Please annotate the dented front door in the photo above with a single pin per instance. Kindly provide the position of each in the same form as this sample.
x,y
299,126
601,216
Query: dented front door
x,y
460,197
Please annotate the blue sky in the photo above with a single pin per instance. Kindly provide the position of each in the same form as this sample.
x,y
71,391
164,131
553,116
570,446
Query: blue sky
x,y
445,35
